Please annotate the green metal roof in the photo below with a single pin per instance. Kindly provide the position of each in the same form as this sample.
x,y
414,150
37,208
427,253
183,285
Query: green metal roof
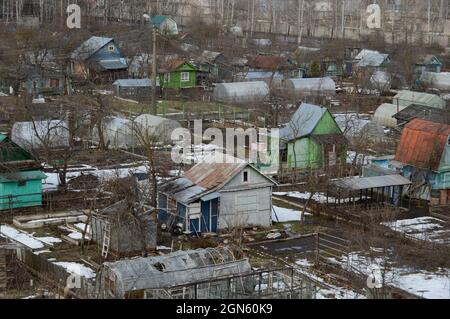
x,y
21,176
2,137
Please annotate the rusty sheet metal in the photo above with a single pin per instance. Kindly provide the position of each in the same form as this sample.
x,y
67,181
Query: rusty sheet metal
x,y
209,175
422,144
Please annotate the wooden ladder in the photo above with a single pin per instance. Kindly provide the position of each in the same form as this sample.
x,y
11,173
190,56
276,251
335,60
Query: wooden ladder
x,y
106,239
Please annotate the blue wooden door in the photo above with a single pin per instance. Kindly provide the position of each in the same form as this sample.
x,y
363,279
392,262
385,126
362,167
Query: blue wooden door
x,y
194,226
214,214
206,216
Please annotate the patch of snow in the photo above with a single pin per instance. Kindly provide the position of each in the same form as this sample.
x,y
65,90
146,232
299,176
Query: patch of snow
x,y
282,215
49,240
303,263
21,237
422,228
77,269
318,197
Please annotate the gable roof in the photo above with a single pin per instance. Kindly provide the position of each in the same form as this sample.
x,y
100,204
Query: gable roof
x,y
428,59
372,58
303,122
422,144
173,65
206,178
90,47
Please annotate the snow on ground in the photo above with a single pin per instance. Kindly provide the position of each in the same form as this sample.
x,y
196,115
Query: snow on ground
x,y
422,228
282,215
198,153
52,182
49,240
318,197
77,269
77,235
21,237
422,283
82,226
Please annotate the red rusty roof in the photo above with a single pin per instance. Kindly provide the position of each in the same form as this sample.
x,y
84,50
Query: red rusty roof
x,y
212,175
266,62
422,144
171,65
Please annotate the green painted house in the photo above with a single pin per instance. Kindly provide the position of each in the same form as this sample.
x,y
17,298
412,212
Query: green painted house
x,y
178,74
312,140
20,177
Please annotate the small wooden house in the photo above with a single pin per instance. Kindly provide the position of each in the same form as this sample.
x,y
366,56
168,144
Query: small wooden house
x,y
128,229
428,63
139,89
99,58
178,74
312,140
424,151
217,196
44,82
20,177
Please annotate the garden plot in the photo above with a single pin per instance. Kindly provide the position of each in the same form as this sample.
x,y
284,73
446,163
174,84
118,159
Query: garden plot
x,y
422,228
318,197
51,182
419,282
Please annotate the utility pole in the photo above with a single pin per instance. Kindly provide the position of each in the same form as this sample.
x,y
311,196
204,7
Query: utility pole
x,y
154,108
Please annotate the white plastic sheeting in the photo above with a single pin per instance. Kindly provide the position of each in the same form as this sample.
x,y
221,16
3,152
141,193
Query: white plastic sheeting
x,y
157,127
385,112
407,98
440,81
177,268
241,92
381,80
41,134
311,85
117,132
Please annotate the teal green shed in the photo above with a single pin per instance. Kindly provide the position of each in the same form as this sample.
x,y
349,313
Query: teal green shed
x,y
20,177
313,140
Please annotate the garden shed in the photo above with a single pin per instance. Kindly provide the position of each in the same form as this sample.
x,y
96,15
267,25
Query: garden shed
x,y
133,88
241,92
128,229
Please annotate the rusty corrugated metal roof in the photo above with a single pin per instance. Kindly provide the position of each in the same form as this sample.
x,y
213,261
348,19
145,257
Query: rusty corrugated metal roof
x,y
266,62
422,144
212,175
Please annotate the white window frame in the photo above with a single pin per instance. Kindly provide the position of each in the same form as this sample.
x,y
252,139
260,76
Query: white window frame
x,y
184,76
111,48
